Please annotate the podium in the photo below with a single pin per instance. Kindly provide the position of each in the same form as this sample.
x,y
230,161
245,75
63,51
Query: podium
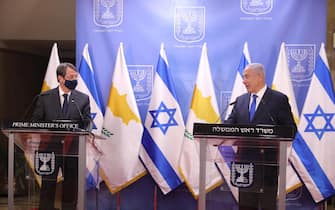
x,y
244,140
43,144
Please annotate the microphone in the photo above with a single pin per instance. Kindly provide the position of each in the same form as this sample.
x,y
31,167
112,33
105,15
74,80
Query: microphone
x,y
92,141
268,113
233,103
85,119
89,127
224,110
28,110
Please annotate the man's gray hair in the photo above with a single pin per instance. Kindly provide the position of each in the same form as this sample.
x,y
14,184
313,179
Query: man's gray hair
x,y
258,67
61,68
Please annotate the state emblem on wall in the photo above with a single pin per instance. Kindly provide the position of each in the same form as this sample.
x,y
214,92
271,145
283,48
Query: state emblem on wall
x,y
141,77
256,7
107,13
189,24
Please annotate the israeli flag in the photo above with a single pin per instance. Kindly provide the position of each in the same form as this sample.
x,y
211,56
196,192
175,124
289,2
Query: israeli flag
x,y
239,88
87,85
164,130
313,148
90,88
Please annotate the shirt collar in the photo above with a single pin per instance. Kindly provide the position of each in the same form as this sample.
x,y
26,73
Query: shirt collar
x,y
261,92
61,92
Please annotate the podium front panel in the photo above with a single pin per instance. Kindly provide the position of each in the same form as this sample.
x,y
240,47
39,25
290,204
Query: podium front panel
x,y
249,160
50,161
242,165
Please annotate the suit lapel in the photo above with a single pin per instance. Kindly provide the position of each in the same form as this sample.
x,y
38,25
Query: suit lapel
x,y
244,110
72,105
247,103
261,106
70,110
56,101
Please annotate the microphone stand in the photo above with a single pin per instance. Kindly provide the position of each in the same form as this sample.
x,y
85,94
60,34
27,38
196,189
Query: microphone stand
x,y
92,142
224,110
268,113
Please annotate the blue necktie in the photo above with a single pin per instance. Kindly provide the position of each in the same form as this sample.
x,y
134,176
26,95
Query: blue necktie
x,y
252,107
65,104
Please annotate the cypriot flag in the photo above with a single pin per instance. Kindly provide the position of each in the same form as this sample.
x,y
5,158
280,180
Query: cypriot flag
x,y
123,129
50,78
282,82
204,109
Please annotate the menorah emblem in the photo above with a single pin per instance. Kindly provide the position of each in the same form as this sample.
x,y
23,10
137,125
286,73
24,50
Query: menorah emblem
x,y
242,169
44,163
141,79
242,174
298,55
107,4
189,17
138,75
107,13
44,157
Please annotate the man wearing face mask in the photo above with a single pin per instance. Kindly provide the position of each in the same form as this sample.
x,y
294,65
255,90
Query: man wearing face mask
x,y
62,103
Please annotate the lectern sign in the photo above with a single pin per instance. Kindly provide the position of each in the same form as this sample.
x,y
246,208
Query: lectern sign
x,y
265,131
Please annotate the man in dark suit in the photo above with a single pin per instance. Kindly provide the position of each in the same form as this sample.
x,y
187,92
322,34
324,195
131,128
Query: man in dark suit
x,y
62,103
261,105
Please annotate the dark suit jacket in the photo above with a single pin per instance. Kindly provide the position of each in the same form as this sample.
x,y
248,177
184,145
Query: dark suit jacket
x,y
48,107
273,109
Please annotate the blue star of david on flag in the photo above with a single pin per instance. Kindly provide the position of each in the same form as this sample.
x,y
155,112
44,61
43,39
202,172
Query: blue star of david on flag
x,y
93,117
159,118
319,130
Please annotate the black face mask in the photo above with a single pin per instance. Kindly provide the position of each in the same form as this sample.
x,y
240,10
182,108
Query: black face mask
x,y
71,84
